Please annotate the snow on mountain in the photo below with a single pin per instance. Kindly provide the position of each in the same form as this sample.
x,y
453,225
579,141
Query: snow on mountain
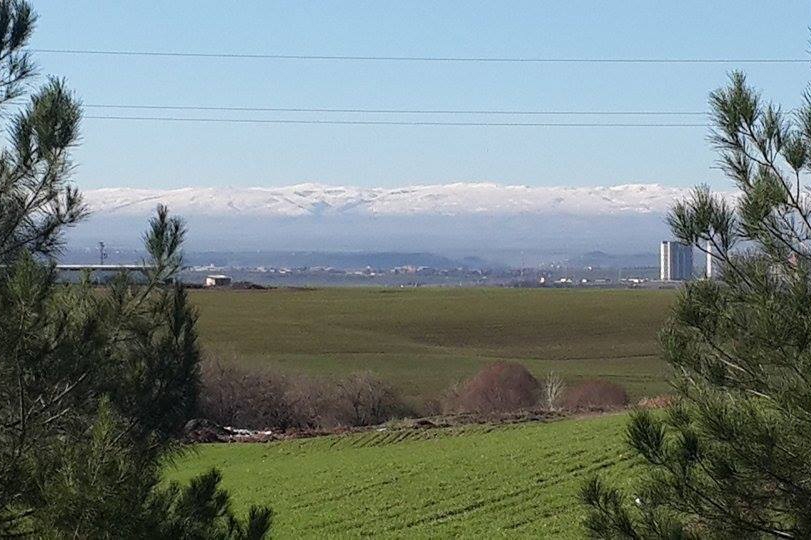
x,y
443,200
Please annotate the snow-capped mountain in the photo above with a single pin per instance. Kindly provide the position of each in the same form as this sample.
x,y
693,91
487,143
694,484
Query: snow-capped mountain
x,y
458,219
440,200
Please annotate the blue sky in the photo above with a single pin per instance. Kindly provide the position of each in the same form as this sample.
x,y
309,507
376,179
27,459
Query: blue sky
x,y
168,155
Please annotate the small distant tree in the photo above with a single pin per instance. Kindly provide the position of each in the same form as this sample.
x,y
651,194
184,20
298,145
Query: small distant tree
x,y
732,458
553,389
94,385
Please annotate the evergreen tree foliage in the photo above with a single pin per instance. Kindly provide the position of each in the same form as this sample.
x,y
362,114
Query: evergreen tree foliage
x,y
95,384
732,458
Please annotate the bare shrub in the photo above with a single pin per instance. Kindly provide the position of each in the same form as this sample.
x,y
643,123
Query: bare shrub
x,y
553,390
236,397
498,387
311,401
596,394
263,399
656,402
428,407
363,399
449,401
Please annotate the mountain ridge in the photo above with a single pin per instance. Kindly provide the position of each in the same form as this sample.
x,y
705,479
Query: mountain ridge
x,y
458,198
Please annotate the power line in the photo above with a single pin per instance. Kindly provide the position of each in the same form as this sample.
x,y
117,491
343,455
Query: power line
x,y
388,122
571,60
394,111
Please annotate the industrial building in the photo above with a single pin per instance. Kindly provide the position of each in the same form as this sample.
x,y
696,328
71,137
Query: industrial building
x,y
711,270
217,280
675,261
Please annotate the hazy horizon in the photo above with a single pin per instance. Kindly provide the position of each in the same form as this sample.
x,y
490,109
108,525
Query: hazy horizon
x,y
498,223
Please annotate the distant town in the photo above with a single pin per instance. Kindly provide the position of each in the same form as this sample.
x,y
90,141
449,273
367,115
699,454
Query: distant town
x,y
313,269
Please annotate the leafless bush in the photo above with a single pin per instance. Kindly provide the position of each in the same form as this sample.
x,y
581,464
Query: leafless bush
x,y
553,389
498,387
428,407
237,397
597,394
363,399
656,402
265,399
311,401
449,401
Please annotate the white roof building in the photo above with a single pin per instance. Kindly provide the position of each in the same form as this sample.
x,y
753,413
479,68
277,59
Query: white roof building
x,y
217,280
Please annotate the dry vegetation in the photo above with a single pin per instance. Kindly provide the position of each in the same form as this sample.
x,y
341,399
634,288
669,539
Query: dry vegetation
x,y
270,399
499,387
263,399
595,395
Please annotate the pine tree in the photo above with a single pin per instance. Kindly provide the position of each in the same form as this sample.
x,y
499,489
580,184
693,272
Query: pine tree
x,y
732,458
95,385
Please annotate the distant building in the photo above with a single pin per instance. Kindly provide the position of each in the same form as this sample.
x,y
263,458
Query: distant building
x,y
675,261
217,280
634,280
709,270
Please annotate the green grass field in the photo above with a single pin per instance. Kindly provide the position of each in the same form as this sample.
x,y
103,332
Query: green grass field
x,y
422,340
475,481
478,481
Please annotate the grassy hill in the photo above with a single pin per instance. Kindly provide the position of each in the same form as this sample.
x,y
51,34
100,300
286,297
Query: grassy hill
x,y
422,340
478,481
